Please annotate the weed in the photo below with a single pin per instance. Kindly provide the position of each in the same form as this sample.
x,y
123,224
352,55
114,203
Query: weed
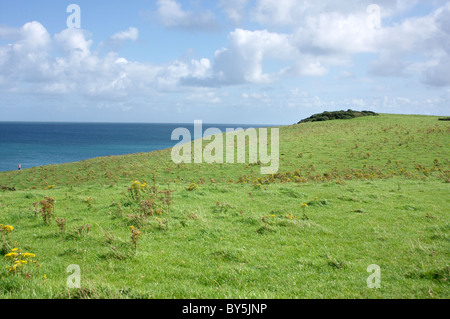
x,y
61,222
5,230
192,187
47,207
222,207
135,234
336,263
35,209
118,212
89,201
83,230
136,189
19,262
162,223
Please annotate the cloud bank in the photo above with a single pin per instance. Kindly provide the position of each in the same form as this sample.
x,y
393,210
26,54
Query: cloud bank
x,y
288,40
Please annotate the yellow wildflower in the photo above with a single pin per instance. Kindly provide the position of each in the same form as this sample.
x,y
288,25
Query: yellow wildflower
x,y
7,228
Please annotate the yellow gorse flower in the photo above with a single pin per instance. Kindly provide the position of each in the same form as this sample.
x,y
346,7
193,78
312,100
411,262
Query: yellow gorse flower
x,y
136,185
19,260
7,228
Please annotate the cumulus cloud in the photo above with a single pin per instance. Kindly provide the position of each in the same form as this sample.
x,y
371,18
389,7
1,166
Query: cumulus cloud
x,y
295,13
327,33
27,58
130,34
437,75
234,9
65,63
118,39
172,15
243,60
310,45
324,34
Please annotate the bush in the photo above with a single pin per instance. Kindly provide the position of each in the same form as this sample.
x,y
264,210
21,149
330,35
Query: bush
x,y
337,115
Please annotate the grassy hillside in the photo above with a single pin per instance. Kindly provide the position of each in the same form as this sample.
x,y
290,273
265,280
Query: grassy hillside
x,y
348,194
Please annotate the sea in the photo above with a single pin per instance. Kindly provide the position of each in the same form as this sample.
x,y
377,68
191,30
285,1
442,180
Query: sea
x,y
32,144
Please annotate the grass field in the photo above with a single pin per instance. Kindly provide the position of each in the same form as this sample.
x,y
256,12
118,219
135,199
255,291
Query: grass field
x,y
348,194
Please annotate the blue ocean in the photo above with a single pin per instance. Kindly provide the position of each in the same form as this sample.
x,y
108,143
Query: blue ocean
x,y
36,144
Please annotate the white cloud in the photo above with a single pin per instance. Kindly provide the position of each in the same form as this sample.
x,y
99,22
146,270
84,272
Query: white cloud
x,y
296,39
75,44
27,58
203,96
294,13
234,9
66,63
243,60
130,34
172,15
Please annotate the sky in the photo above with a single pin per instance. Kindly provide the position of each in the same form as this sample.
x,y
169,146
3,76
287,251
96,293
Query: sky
x,y
231,62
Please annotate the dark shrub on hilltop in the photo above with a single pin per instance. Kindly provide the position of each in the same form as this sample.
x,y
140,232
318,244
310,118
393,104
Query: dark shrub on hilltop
x,y
337,115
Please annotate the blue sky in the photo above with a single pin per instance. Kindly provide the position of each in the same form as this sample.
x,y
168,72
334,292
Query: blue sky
x,y
235,61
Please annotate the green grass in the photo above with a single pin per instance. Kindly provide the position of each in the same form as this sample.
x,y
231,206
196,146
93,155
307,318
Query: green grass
x,y
376,189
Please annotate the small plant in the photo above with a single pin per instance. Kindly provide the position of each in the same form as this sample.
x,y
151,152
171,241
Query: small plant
x,y
336,263
5,230
163,223
118,248
118,212
290,216
147,207
192,187
35,209
263,219
137,219
265,228
47,207
166,198
257,185
61,222
18,262
222,207
89,201
191,215
135,234
83,230
136,189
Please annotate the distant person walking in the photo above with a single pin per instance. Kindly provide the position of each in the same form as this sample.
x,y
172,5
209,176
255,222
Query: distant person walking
x,y
19,167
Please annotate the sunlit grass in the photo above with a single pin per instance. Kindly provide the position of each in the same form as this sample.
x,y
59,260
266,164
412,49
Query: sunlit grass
x,y
348,194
